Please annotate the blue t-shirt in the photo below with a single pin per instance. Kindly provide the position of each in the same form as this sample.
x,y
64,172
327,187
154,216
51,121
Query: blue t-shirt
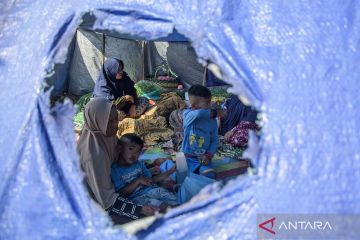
x,y
200,132
122,176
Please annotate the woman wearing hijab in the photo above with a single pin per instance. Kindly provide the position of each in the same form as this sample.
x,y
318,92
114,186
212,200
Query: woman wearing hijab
x,y
115,85
236,113
240,119
97,149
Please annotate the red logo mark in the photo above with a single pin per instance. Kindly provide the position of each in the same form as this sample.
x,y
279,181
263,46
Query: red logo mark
x,y
272,221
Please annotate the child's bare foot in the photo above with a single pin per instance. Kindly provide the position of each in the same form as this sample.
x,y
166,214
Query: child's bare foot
x,y
148,210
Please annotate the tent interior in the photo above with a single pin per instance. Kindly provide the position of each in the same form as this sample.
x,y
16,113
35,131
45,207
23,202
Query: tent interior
x,y
146,62
143,60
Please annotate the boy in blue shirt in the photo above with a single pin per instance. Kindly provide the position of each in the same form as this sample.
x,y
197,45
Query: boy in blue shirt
x,y
134,181
200,131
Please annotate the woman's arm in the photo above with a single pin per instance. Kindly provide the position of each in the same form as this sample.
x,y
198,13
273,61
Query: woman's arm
x,y
132,111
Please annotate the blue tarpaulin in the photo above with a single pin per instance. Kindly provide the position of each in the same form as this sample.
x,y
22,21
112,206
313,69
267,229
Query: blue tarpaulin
x,y
295,61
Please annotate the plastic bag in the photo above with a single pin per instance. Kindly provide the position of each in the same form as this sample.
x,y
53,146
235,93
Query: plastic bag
x,y
148,89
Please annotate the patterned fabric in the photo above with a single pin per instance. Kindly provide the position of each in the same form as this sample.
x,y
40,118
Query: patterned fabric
x,y
122,104
227,150
176,123
165,145
240,133
176,120
152,125
125,208
148,89
151,130
156,196
167,103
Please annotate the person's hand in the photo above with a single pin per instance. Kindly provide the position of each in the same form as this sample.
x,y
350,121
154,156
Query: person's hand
x,y
132,111
171,170
228,135
121,115
129,98
148,210
221,113
204,160
144,181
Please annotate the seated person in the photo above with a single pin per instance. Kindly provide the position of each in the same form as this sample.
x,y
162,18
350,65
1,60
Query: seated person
x,y
115,85
238,112
133,180
97,149
200,131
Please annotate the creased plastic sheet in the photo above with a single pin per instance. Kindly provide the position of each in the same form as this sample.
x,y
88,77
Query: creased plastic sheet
x,y
296,61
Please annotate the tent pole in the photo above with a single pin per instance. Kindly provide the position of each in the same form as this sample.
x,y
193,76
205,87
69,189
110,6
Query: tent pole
x,y
143,47
103,48
205,71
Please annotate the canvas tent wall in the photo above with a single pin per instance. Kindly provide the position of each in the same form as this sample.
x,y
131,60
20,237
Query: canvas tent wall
x,y
90,48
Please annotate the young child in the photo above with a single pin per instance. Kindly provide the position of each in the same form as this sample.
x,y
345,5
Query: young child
x,y
200,131
134,181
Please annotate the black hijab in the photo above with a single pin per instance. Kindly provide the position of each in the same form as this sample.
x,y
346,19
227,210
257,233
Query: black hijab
x,y
237,112
107,86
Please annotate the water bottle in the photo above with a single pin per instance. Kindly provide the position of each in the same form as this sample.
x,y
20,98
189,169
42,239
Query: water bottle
x,y
181,167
